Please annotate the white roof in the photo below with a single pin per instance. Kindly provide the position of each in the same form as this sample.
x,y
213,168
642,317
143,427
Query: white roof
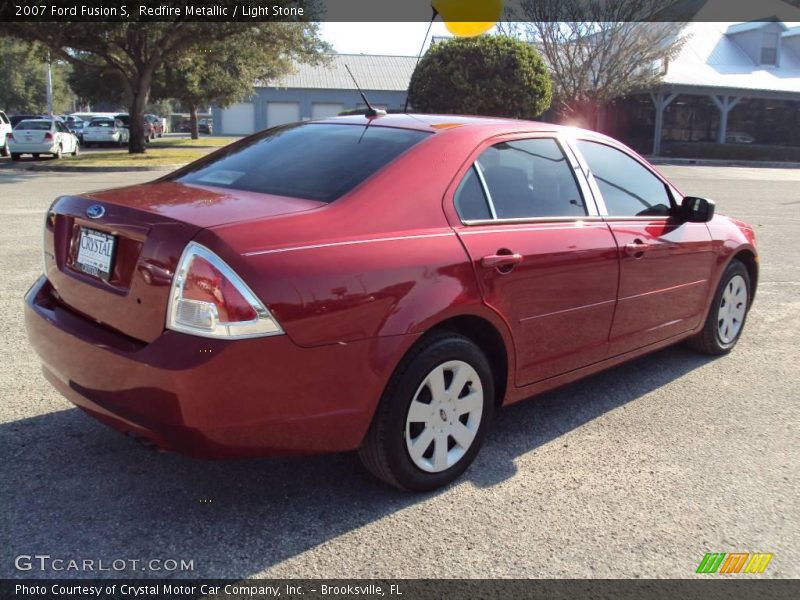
x,y
373,72
709,58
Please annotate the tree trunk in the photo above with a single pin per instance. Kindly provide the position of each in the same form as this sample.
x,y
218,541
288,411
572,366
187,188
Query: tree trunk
x,y
193,121
141,92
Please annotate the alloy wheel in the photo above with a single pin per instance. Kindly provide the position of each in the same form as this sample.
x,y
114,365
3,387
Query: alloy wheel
x,y
732,309
444,416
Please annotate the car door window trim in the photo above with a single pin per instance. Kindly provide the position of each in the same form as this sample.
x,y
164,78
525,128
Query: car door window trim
x,y
572,159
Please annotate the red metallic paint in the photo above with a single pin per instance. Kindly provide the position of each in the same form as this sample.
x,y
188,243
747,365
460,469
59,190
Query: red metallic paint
x,y
354,284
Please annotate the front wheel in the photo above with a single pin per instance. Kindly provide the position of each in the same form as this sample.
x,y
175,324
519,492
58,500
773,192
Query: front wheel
x,y
433,416
77,150
728,312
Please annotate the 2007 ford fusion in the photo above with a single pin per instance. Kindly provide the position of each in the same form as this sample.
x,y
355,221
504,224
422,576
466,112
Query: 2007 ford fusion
x,y
380,283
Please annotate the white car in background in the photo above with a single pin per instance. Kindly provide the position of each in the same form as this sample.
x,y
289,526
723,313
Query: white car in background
x,y
5,129
42,136
104,130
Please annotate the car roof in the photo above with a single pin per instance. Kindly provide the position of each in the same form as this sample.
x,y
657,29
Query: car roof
x,y
435,123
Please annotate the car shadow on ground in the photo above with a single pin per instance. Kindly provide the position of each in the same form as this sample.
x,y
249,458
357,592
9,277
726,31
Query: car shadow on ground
x,y
74,489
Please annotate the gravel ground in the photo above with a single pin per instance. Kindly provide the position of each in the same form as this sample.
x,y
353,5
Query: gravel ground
x,y
636,472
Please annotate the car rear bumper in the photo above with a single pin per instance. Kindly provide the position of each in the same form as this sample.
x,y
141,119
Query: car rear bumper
x,y
37,148
213,398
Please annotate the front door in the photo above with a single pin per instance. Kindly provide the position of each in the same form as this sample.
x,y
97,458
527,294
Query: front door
x,y
544,259
665,264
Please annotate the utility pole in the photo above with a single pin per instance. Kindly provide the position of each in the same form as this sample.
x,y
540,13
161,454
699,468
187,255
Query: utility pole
x,y
48,76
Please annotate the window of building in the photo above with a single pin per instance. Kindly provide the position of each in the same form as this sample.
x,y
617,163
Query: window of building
x,y
769,49
628,188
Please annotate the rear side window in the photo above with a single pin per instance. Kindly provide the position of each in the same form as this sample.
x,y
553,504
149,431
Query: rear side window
x,y
315,161
471,203
33,126
524,179
628,188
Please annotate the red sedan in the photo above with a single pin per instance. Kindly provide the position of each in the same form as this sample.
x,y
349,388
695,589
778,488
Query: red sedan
x,y
381,284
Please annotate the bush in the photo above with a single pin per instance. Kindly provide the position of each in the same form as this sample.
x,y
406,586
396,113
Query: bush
x,y
486,75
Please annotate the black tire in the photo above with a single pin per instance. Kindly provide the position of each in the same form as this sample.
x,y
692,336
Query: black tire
x,y
4,151
77,150
15,156
383,451
708,340
59,154
35,156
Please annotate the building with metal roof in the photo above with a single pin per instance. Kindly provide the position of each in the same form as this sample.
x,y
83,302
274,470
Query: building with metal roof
x,y
319,91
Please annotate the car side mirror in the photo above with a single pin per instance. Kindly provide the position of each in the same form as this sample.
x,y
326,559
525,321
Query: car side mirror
x,y
697,210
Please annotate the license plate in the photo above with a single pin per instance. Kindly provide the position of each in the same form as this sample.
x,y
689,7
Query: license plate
x,y
95,253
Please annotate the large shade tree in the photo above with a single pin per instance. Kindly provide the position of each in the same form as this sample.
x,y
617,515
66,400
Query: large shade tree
x,y
225,70
134,51
486,75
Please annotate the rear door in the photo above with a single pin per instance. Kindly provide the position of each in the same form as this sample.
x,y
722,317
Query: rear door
x,y
543,257
665,264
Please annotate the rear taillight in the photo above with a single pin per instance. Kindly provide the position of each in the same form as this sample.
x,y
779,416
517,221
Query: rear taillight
x,y
9,136
48,135
210,300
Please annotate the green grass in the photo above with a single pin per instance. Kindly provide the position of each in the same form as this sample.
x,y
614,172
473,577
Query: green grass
x,y
154,157
202,142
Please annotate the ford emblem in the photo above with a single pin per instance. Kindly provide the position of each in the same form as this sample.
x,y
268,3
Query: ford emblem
x,y
95,211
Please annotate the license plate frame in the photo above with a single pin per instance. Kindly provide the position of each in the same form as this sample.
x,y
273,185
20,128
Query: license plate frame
x,y
93,259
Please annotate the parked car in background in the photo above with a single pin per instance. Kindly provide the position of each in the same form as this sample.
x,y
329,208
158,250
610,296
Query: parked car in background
x,y
382,284
15,119
75,125
157,125
739,137
105,130
5,130
149,132
205,126
42,136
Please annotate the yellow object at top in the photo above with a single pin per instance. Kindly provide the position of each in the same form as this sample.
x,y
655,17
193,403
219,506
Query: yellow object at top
x,y
466,18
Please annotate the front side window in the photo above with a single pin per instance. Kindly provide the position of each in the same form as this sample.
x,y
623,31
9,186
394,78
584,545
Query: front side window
x,y
315,161
524,179
628,188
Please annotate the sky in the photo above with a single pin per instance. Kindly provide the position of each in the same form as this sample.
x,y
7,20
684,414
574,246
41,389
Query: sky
x,y
399,39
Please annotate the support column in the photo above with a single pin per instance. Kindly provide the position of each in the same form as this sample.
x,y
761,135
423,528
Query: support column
x,y
725,104
661,101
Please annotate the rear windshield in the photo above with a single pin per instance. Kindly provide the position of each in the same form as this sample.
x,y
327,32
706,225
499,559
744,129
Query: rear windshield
x,y
34,125
316,161
101,123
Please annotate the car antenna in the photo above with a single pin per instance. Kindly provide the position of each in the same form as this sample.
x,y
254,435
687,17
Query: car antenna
x,y
371,112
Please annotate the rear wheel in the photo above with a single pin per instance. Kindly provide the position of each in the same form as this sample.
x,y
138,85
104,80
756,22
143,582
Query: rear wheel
x,y
35,156
15,156
433,416
728,312
77,149
58,154
4,150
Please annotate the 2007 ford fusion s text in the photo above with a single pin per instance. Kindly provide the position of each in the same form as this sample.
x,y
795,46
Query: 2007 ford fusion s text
x,y
376,283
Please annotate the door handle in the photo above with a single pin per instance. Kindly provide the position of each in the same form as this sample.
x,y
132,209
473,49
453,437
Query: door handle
x,y
501,260
636,248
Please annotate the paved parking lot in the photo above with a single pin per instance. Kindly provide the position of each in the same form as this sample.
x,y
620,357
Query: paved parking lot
x,y
636,472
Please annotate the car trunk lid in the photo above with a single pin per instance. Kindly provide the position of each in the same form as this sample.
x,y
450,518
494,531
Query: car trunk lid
x,y
150,226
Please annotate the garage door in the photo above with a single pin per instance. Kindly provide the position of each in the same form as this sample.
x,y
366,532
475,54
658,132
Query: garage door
x,y
239,119
279,113
323,110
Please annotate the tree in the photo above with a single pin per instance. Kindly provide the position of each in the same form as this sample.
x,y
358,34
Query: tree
x,y
598,51
226,70
133,50
22,73
485,75
94,85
